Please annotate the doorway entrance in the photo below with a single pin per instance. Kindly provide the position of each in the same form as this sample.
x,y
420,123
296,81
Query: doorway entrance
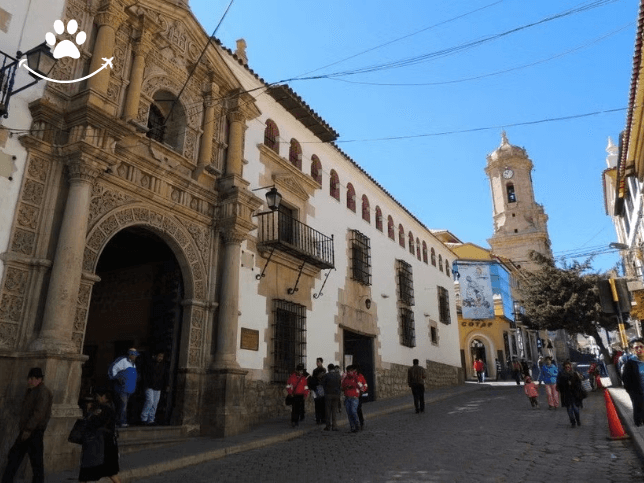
x,y
358,349
477,350
137,303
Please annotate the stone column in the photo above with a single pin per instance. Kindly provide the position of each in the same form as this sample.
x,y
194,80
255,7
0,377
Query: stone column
x,y
208,128
226,340
107,22
60,307
235,143
131,110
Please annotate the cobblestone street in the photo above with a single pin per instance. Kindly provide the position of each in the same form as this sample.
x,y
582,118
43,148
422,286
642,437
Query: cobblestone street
x,y
489,435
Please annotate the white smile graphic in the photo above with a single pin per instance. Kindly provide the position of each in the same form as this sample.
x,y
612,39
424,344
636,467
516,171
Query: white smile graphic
x,y
107,62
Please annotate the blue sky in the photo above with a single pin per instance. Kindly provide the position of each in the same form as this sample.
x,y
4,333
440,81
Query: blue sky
x,y
576,64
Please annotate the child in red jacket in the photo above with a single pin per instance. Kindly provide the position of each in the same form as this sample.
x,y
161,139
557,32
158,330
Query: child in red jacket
x,y
531,391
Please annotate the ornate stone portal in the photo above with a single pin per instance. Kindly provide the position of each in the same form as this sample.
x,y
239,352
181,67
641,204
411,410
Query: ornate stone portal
x,y
92,173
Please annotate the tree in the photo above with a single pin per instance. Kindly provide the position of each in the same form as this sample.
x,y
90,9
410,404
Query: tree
x,y
565,298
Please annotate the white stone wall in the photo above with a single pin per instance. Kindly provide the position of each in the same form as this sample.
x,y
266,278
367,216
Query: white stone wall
x,y
332,217
24,26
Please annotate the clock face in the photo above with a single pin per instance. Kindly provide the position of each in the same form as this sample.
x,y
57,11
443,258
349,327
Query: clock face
x,y
508,173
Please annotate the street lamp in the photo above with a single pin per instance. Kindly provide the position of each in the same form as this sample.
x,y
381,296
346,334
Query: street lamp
x,y
273,197
39,59
618,246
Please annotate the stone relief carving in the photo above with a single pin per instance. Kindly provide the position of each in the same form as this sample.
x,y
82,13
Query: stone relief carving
x,y
105,200
11,308
16,280
38,169
8,334
33,192
28,216
23,242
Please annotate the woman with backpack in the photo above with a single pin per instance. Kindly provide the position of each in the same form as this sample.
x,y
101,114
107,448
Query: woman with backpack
x,y
298,389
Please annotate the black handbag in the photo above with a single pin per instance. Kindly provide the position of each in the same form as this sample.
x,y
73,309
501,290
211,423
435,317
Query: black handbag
x,y
77,434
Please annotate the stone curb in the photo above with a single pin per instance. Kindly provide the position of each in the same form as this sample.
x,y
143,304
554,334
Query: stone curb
x,y
134,474
624,409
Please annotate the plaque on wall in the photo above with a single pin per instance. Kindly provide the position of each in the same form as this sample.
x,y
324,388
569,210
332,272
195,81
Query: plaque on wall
x,y
250,339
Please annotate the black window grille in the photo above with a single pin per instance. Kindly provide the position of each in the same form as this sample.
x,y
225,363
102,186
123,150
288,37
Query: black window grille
x,y
434,334
360,258
512,197
156,124
289,338
443,306
405,283
407,331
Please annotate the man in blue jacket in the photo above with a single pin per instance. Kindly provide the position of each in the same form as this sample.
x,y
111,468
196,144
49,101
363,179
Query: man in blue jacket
x,y
123,373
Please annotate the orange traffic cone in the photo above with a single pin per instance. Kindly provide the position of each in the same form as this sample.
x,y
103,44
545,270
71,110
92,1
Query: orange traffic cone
x,y
614,424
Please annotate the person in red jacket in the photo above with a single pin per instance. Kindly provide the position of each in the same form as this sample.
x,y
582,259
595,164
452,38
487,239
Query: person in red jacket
x,y
297,387
479,367
363,393
351,386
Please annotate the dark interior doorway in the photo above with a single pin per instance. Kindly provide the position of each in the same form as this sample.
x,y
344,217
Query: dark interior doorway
x,y
137,303
478,351
360,347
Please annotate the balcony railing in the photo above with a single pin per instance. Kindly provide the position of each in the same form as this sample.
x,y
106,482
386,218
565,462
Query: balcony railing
x,y
285,233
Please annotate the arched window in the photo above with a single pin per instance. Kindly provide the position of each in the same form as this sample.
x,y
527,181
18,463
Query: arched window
x,y
295,154
271,136
411,243
447,270
378,218
334,185
366,212
391,231
316,169
424,252
418,248
512,197
440,262
351,197
401,236
433,257
165,125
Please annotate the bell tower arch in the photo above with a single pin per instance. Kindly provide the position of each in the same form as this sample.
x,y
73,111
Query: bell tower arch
x,y
520,223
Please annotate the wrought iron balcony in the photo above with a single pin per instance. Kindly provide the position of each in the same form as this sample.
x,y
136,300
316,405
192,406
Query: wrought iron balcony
x,y
285,233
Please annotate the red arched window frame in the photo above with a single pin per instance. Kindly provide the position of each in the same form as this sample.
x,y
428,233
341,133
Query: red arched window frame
x,y
351,197
295,154
401,236
440,262
424,251
271,136
411,243
433,257
418,248
366,212
334,185
316,169
391,231
378,218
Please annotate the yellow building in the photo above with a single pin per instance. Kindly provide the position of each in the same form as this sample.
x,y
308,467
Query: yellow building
x,y
489,314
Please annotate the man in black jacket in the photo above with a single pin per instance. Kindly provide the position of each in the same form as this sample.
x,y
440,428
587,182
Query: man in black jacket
x,y
632,379
34,417
155,375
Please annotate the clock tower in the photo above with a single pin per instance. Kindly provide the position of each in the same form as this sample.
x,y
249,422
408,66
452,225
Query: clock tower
x,y
520,223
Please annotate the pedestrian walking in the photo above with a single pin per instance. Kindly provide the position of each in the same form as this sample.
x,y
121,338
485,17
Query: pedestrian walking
x,y
479,368
594,375
35,412
337,369
297,387
155,379
632,379
351,389
548,376
362,384
532,392
314,382
572,394
100,453
525,369
516,370
123,373
332,384
416,381
499,369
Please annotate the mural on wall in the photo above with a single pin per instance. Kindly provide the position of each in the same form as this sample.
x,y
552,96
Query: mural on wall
x,y
476,291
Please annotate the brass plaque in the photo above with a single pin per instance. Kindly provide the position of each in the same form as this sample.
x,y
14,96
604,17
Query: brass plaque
x,y
250,339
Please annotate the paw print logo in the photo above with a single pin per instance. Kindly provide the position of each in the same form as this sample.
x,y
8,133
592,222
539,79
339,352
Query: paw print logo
x,y
66,48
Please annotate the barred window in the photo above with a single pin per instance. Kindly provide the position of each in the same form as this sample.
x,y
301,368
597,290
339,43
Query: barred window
x,y
378,218
440,262
289,338
156,124
360,258
411,243
433,332
425,252
316,169
405,283
391,231
271,135
334,185
443,306
407,331
433,257
295,154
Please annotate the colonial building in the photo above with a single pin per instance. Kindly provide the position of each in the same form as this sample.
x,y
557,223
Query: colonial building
x,y
140,221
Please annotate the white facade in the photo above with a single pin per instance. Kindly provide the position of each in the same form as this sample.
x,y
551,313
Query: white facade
x,y
23,26
332,217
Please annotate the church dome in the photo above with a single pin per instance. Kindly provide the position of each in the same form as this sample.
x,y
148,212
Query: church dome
x,y
507,150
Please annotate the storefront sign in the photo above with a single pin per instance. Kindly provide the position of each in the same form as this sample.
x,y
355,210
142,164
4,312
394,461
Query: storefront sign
x,y
250,339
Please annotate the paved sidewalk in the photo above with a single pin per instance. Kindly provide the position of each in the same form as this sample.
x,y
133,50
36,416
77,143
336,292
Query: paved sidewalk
x,y
199,450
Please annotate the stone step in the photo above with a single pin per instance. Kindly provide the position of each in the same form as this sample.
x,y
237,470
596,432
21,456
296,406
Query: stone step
x,y
137,438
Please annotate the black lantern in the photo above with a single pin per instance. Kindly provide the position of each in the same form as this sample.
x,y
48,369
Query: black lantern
x,y
40,60
273,199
